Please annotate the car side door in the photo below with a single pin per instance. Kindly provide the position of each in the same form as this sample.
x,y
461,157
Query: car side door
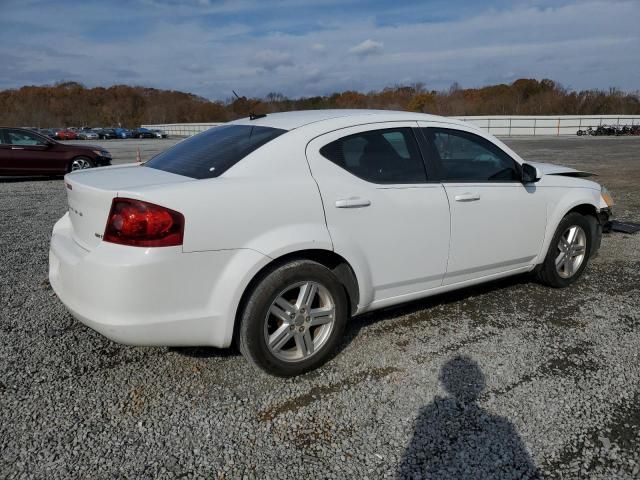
x,y
7,160
497,222
384,214
29,153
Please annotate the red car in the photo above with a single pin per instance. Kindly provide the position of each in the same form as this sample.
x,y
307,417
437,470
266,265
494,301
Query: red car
x,y
63,134
24,152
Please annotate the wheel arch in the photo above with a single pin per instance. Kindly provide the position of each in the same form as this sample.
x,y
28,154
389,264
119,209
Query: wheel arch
x,y
330,259
584,206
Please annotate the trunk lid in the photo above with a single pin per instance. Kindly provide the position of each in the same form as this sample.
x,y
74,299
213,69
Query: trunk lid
x,y
90,193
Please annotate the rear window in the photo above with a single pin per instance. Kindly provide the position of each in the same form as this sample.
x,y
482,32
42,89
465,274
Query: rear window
x,y
210,153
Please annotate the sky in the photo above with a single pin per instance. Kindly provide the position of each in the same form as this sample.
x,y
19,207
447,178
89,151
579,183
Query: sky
x,y
316,47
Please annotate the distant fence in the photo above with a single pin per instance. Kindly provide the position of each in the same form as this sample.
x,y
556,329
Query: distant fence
x,y
502,125
183,129
509,125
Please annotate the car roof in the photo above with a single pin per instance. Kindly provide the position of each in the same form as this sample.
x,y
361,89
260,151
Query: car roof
x,y
300,118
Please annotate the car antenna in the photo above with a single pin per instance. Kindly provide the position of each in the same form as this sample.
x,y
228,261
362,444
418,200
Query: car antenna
x,y
252,115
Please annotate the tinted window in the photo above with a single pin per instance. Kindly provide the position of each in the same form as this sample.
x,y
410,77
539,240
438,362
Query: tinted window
x,y
22,137
379,156
467,157
214,151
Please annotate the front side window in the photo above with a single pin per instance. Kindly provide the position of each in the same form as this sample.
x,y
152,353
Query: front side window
x,y
464,156
379,156
20,137
210,153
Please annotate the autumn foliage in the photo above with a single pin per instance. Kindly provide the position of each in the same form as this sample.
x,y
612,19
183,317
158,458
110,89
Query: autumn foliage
x,y
72,104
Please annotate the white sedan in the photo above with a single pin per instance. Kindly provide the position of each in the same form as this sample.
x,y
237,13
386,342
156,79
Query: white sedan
x,y
272,231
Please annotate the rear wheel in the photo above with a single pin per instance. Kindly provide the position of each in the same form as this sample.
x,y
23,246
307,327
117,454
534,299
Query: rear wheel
x,y
80,163
569,251
293,319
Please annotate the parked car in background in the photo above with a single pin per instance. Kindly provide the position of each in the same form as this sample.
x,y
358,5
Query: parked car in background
x,y
122,133
47,132
106,133
87,135
327,214
24,152
160,133
64,134
143,133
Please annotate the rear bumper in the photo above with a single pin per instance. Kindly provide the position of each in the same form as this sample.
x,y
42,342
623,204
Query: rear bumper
x,y
150,296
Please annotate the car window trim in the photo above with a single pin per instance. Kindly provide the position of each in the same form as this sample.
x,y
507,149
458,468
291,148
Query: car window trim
x,y
27,132
427,178
434,156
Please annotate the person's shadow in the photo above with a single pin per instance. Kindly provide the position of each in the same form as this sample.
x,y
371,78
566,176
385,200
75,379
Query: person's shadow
x,y
455,438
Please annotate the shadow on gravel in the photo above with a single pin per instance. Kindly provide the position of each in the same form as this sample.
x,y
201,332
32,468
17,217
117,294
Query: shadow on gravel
x,y
455,438
29,179
205,352
423,306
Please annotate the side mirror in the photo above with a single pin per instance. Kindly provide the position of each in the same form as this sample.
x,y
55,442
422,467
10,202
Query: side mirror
x,y
530,174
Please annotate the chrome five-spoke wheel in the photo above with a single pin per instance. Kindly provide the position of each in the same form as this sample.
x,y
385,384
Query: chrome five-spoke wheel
x,y
572,247
299,321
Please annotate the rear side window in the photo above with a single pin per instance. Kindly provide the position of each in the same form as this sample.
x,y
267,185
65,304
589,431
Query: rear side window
x,y
379,156
210,153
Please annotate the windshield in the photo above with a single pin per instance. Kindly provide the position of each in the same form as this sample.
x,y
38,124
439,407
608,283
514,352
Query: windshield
x,y
211,153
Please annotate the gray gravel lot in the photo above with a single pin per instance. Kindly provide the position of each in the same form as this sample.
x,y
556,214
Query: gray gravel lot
x,y
506,380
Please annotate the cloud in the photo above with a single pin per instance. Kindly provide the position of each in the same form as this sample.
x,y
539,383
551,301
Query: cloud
x,y
304,49
366,48
271,59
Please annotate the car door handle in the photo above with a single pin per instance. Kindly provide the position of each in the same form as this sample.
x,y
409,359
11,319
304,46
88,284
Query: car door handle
x,y
467,197
17,148
352,202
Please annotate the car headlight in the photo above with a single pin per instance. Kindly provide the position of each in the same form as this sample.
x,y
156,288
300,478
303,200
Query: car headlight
x,y
102,153
606,196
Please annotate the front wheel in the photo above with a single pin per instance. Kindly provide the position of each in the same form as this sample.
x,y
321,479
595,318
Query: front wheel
x,y
569,251
80,163
293,319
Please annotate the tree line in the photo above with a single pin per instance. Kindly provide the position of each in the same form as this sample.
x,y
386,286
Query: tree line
x,y
72,104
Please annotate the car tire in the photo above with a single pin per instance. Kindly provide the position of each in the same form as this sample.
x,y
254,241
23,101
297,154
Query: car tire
x,y
80,163
293,319
568,252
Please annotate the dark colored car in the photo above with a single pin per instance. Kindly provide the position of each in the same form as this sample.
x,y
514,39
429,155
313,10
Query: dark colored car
x,y
107,133
47,132
23,152
122,133
143,133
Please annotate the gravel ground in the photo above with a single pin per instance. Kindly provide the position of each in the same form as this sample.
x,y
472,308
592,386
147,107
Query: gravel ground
x,y
506,380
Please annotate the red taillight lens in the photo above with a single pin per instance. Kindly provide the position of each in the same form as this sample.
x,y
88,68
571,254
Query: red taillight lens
x,y
143,224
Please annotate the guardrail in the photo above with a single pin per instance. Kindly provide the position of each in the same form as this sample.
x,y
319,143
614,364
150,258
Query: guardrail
x,y
502,125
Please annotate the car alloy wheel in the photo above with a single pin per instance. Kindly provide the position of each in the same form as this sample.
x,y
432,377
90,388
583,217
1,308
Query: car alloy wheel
x,y
80,164
572,247
299,321
568,252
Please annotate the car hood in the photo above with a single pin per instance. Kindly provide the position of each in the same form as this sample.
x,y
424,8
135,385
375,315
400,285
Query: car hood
x,y
551,169
90,147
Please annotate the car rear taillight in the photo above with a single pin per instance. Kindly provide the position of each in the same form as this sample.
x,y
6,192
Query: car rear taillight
x,y
142,224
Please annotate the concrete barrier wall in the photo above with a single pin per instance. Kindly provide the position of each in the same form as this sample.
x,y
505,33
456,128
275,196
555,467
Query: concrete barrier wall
x,y
509,125
183,129
502,125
